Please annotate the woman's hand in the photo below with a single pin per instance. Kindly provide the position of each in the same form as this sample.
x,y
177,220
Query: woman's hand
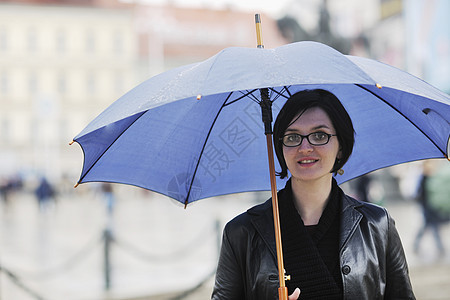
x,y
295,294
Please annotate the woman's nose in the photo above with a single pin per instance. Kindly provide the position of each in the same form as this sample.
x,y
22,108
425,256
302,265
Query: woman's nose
x,y
305,146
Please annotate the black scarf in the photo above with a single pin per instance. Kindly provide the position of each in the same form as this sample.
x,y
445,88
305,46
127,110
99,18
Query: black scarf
x,y
312,257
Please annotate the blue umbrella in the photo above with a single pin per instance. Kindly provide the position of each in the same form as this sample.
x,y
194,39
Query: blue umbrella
x,y
195,131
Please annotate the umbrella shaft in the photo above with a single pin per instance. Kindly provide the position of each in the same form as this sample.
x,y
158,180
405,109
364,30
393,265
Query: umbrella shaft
x,y
266,111
276,218
282,293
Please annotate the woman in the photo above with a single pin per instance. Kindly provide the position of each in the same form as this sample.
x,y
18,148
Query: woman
x,y
334,246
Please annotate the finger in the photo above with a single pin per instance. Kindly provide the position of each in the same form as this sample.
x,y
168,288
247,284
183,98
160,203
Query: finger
x,y
295,294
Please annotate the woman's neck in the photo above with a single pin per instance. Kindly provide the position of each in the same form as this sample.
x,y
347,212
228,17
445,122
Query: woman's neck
x,y
310,199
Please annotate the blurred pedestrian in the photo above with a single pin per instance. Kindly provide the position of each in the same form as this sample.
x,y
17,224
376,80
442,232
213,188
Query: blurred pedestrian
x,y
108,195
431,217
362,185
438,188
4,190
9,185
44,194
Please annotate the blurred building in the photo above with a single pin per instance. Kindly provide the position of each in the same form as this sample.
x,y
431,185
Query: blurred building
x,y
371,28
171,36
64,61
387,38
428,41
61,62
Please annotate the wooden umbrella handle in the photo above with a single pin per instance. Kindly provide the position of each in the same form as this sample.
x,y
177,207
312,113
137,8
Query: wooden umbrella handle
x,y
266,110
282,290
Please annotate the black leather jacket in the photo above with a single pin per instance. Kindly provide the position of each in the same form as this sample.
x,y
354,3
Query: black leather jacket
x,y
373,264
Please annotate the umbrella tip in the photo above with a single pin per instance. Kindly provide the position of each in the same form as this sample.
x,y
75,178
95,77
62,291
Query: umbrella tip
x,y
258,31
378,85
199,97
70,144
76,185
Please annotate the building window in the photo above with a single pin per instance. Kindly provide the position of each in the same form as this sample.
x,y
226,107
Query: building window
x,y
34,130
32,40
119,84
64,132
118,42
91,84
3,39
4,83
32,83
90,42
61,42
4,130
62,84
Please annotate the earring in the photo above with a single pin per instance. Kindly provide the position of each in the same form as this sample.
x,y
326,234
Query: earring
x,y
340,171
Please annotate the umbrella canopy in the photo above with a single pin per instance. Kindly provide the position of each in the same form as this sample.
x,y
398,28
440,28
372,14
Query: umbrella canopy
x,y
196,131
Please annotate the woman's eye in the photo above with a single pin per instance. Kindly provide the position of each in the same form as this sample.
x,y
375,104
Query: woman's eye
x,y
292,138
319,136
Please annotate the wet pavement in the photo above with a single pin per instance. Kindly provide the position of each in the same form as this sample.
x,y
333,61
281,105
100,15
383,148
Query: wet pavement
x,y
158,250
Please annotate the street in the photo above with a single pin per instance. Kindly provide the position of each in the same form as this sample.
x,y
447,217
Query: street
x,y
158,249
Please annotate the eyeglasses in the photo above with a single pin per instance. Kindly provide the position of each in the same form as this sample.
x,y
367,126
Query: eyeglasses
x,y
315,139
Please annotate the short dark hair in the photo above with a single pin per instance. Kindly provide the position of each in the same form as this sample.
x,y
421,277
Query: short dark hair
x,y
300,102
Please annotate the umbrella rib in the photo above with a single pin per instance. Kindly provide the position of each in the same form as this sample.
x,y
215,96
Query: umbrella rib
x,y
243,96
281,93
90,168
203,149
394,108
287,90
253,98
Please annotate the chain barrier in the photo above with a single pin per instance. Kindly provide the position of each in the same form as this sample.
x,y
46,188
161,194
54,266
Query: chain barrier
x,y
18,282
63,267
128,247
179,253
195,288
42,275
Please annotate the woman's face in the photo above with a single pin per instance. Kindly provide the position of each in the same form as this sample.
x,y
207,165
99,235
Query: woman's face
x,y
307,162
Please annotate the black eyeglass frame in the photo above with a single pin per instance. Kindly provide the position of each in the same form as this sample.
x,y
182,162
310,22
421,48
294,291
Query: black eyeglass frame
x,y
307,138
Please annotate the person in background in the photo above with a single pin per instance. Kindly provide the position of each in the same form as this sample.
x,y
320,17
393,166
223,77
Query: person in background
x,y
362,185
431,218
44,194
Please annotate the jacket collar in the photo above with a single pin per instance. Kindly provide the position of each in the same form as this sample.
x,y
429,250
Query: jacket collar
x,y
261,217
350,218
